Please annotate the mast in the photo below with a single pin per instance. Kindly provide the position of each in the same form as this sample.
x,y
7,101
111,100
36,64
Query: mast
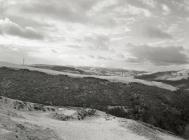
x,y
23,61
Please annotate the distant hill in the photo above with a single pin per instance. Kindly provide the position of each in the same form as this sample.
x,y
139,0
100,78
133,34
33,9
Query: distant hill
x,y
179,79
91,70
112,71
114,78
62,69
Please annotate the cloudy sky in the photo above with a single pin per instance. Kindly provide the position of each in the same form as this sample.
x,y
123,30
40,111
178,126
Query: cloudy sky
x,y
131,34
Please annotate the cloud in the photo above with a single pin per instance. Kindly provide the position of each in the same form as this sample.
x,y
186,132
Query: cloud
x,y
72,11
176,8
166,9
138,11
97,41
139,3
10,28
27,21
98,57
150,3
97,27
125,10
156,33
170,55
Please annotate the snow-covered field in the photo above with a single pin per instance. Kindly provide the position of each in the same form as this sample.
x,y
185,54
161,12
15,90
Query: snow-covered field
x,y
100,126
110,78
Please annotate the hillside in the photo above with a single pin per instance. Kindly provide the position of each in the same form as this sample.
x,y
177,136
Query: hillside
x,y
165,75
179,79
115,75
63,69
91,70
149,104
31,121
76,75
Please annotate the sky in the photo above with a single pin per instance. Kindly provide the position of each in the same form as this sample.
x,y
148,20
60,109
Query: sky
x,y
129,34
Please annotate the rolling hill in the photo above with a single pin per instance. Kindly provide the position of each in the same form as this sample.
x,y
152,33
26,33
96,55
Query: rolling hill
x,y
156,106
179,79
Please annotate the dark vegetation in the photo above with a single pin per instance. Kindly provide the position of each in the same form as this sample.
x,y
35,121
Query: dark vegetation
x,y
159,107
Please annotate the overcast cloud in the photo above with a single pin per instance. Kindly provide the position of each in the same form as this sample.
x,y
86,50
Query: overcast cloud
x,y
108,33
10,28
159,55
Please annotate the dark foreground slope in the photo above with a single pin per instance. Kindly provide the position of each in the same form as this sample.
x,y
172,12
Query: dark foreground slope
x,y
159,107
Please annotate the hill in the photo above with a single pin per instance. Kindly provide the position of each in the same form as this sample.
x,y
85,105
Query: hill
x,y
91,70
112,78
179,79
149,104
31,121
